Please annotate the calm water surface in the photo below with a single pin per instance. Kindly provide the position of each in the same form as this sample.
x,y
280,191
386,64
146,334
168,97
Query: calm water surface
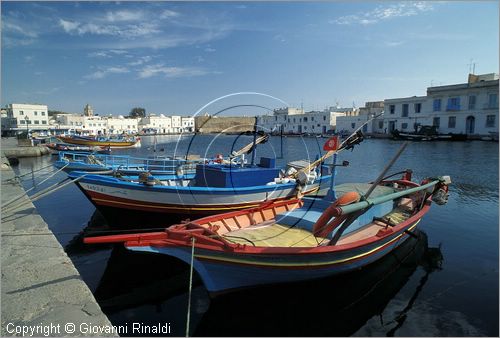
x,y
444,284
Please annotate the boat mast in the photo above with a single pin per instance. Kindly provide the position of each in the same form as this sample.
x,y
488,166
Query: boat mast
x,y
254,151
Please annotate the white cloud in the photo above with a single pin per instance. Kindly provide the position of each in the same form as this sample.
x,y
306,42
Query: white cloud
x,y
210,50
160,69
382,13
128,31
141,60
167,14
125,15
102,73
107,53
10,27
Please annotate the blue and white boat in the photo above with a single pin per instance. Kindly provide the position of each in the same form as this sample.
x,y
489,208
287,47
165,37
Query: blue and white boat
x,y
212,189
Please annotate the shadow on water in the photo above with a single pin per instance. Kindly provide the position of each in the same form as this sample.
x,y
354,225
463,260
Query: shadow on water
x,y
152,289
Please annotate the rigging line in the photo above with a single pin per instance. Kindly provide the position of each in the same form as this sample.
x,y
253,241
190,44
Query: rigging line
x,y
31,172
6,204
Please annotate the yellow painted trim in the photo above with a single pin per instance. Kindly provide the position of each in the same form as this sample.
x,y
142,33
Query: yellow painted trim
x,y
308,264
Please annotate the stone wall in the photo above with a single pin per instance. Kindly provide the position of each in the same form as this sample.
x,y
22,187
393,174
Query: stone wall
x,y
210,124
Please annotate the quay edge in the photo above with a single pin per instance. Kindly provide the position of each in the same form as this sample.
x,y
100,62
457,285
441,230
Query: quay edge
x,y
40,285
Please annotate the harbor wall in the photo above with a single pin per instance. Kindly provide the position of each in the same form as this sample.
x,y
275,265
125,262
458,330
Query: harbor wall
x,y
227,124
42,291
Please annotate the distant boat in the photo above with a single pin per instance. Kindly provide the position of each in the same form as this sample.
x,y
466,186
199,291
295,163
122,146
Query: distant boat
x,y
57,147
103,141
295,240
427,133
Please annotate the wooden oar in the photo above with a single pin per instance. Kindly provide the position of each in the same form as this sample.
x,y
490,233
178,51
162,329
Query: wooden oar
x,y
352,217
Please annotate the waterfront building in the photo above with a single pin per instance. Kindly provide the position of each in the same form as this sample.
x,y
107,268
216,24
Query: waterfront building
x,y
350,122
122,125
469,108
187,124
158,124
296,121
176,124
22,116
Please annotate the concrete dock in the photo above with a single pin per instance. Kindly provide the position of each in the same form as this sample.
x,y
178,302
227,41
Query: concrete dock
x,y
42,292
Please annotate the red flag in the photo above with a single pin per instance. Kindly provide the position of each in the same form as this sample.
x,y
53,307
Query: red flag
x,y
331,144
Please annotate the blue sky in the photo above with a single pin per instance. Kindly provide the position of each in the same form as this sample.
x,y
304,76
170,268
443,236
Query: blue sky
x,y
174,57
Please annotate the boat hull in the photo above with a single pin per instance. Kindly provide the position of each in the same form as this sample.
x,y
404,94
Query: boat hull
x,y
89,142
223,272
110,193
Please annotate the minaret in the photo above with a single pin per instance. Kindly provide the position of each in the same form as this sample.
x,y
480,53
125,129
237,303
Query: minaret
x,y
88,111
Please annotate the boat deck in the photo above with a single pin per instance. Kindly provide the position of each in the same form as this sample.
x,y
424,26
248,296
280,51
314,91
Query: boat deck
x,y
271,234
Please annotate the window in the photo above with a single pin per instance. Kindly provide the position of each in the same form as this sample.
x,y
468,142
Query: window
x,y
305,119
305,127
21,112
453,103
37,122
418,107
452,121
21,121
312,127
312,118
472,102
405,110
353,125
288,120
490,121
493,101
324,118
35,113
404,125
392,109
294,120
276,118
43,113
435,121
44,122
436,105
380,124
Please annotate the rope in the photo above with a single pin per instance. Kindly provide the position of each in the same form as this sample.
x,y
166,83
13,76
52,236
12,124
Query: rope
x,y
193,240
40,194
33,187
31,172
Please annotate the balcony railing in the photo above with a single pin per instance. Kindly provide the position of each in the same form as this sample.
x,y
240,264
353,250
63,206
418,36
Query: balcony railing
x,y
490,106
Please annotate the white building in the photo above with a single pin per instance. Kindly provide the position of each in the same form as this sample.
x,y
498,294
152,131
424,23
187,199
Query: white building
x,y
349,123
121,125
469,108
160,124
296,121
22,116
187,124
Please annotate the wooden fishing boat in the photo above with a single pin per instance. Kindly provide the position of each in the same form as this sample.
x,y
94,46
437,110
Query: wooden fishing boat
x,y
57,147
294,240
427,133
118,142
214,188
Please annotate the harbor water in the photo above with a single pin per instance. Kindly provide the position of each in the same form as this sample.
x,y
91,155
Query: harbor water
x,y
444,283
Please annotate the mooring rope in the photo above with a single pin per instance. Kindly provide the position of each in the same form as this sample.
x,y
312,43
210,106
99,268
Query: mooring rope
x,y
193,240
47,191
31,172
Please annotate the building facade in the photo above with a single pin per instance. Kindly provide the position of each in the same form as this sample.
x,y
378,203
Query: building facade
x,y
296,121
351,122
469,108
20,116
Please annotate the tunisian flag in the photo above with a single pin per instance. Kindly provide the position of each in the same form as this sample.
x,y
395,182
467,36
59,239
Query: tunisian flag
x,y
331,144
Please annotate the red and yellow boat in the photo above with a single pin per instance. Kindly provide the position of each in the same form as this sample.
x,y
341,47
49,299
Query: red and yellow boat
x,y
101,141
